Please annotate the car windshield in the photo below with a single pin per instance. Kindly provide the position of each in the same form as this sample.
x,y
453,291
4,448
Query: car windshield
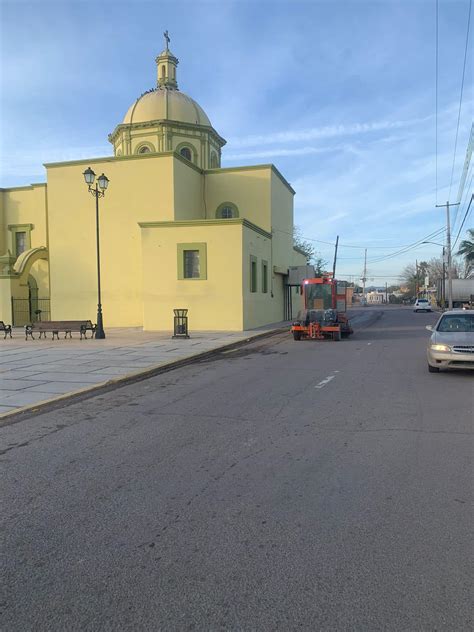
x,y
456,323
422,300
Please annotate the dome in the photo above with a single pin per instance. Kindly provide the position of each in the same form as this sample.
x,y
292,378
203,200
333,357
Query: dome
x,y
165,104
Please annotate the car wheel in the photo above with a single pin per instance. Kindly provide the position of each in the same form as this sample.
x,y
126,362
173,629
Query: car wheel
x,y
433,369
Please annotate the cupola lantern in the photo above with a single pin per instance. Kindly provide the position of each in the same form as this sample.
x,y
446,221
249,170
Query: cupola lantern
x,y
166,64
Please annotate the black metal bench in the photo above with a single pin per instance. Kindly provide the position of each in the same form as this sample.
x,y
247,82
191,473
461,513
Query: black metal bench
x,y
55,326
7,329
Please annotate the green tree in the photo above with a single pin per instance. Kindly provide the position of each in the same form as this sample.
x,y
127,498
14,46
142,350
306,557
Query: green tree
x,y
466,250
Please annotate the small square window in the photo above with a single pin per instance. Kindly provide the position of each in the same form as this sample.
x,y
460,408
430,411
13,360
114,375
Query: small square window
x,y
191,264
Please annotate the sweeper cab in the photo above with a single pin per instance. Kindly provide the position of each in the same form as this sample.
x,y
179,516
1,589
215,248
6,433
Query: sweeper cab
x,y
324,314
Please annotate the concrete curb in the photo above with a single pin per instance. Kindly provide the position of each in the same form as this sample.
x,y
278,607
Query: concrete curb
x,y
87,392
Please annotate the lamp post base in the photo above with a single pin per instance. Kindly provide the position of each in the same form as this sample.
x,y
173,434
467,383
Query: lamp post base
x,y
99,332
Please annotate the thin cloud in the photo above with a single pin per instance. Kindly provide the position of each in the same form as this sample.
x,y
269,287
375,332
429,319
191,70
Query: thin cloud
x,y
328,131
272,153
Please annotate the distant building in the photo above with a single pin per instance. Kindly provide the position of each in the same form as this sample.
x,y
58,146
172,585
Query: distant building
x,y
177,229
375,297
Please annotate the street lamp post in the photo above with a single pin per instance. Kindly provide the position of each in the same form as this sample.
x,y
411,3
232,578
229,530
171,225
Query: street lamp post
x,y
97,189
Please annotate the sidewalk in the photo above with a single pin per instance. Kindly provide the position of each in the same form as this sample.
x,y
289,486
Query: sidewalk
x,y
39,371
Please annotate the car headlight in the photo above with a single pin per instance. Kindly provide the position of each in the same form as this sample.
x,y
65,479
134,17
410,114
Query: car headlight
x,y
440,348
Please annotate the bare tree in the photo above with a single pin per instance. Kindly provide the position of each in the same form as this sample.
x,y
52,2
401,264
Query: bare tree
x,y
312,256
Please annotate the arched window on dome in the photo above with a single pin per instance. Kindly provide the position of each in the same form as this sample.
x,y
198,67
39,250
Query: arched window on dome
x,y
145,148
214,161
227,210
186,153
163,71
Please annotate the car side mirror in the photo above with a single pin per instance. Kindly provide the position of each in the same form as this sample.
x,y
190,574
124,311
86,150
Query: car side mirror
x,y
429,327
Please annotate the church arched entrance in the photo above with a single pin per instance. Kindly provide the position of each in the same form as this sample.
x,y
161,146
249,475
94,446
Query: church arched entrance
x,y
28,305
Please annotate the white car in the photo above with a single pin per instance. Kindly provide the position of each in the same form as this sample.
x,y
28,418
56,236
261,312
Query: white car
x,y
422,305
451,345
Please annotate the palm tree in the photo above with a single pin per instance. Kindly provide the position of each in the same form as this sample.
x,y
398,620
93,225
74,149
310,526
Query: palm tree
x,y
466,248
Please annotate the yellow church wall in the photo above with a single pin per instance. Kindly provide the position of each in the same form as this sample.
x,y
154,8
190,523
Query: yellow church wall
x,y
140,189
214,303
282,223
261,308
3,226
246,187
5,300
188,191
23,206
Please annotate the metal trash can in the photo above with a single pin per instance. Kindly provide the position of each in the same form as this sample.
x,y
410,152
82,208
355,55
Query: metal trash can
x,y
180,323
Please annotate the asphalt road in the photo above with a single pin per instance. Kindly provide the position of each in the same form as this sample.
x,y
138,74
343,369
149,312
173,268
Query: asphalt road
x,y
281,486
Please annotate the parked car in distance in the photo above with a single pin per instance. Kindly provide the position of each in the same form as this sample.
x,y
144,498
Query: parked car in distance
x,y
451,345
422,305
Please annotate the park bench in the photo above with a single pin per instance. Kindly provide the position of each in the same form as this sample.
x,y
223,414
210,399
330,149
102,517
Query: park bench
x,y
55,326
7,329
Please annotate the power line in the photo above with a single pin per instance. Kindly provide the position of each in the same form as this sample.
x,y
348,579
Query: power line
x,y
464,219
465,173
373,276
408,248
464,201
331,243
460,97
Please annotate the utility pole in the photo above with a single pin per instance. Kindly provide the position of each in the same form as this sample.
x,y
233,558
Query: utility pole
x,y
335,259
444,279
416,279
364,278
448,248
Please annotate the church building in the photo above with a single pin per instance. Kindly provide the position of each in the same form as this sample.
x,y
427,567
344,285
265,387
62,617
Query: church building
x,y
176,229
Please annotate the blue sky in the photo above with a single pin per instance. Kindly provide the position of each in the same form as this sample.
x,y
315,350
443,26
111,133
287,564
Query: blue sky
x,y
340,96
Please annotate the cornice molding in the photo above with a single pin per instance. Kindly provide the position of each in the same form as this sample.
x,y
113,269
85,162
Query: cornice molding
x,y
207,222
25,187
19,227
122,127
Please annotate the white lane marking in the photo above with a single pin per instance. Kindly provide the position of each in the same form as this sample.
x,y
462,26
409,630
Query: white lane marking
x,y
323,383
369,343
